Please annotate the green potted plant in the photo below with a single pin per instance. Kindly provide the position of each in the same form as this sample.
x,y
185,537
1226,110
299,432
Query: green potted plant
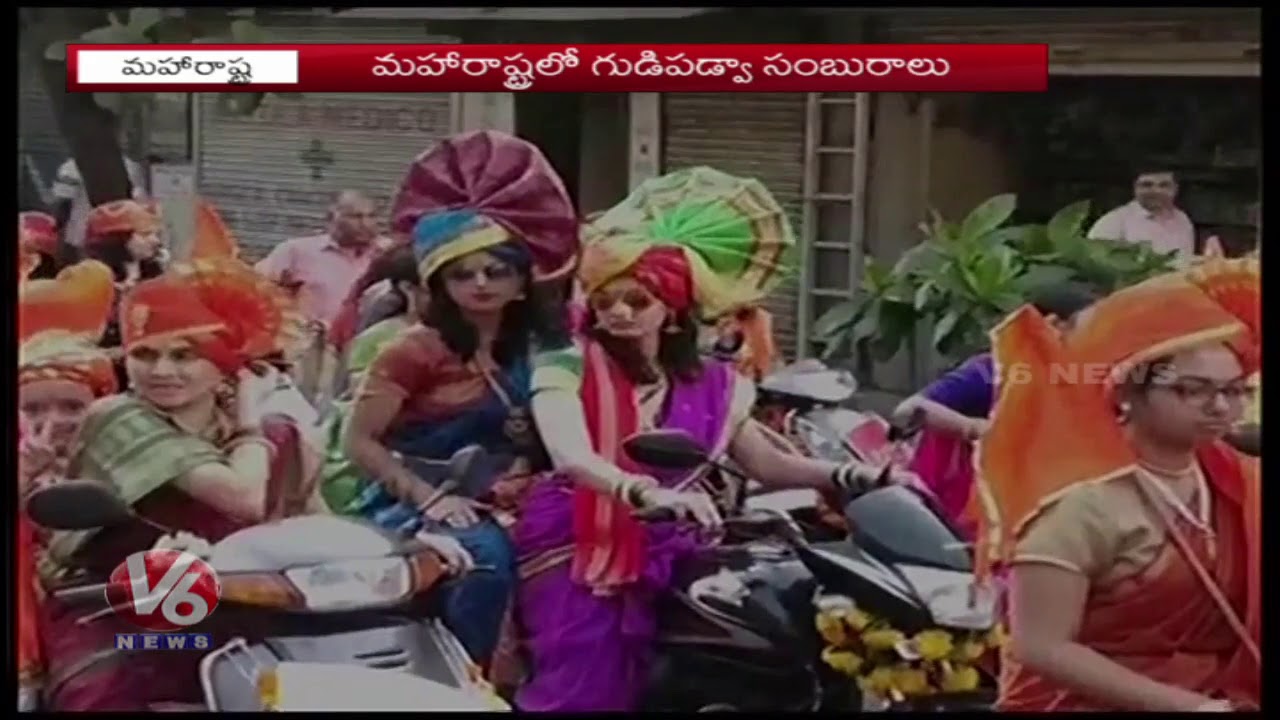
x,y
963,278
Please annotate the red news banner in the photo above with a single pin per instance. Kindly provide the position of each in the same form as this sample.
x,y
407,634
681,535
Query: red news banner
x,y
558,68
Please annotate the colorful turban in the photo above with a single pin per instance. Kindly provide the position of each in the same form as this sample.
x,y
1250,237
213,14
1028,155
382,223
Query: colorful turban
x,y
59,324
503,179
440,238
733,241
38,232
1047,435
232,313
121,216
213,238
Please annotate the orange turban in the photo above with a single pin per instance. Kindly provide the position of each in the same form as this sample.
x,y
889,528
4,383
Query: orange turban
x,y
1050,431
59,324
38,231
236,314
121,216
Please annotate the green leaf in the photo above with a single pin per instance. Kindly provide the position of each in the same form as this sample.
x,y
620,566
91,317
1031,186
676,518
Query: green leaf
x,y
923,294
876,278
143,19
945,327
836,319
113,34
112,101
1041,276
57,51
922,258
247,31
867,325
988,216
1068,223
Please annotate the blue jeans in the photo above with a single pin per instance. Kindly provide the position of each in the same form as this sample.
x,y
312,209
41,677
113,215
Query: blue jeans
x,y
473,606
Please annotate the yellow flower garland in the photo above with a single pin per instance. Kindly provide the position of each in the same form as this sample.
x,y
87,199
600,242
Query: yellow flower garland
x,y
891,666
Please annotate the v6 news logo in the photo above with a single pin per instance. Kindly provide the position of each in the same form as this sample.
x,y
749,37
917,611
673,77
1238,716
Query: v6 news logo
x,y
163,590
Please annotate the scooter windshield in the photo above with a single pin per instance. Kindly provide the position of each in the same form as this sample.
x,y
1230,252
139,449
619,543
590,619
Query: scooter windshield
x,y
897,525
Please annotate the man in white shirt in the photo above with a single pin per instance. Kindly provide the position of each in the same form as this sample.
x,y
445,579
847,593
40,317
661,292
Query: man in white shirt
x,y
1151,217
71,201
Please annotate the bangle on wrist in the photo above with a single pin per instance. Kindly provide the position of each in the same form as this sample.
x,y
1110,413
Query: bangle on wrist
x,y
630,490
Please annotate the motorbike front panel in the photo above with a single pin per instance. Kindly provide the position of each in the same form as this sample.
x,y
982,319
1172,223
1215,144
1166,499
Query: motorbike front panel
x,y
738,633
422,648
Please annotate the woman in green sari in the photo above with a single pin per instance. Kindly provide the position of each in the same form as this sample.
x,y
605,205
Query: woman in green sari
x,y
190,448
341,481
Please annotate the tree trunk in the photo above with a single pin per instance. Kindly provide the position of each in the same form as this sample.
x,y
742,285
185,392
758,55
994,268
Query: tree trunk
x,y
84,125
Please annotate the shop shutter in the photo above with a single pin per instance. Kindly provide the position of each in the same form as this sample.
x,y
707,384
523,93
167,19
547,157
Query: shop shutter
x,y
759,135
272,174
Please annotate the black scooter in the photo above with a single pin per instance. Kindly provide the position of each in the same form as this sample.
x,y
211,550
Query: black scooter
x,y
739,634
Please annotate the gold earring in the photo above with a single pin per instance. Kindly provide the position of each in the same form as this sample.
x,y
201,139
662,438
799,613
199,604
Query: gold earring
x,y
1122,412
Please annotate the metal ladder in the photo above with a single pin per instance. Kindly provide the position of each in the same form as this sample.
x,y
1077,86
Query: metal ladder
x,y
848,119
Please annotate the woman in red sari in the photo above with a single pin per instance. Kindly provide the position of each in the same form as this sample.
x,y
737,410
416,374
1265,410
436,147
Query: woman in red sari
x,y
60,372
1131,528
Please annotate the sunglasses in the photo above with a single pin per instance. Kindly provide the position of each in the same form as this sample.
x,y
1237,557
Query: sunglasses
x,y
634,298
490,273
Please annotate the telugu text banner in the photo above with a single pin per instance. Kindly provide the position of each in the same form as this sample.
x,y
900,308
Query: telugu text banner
x,y
560,68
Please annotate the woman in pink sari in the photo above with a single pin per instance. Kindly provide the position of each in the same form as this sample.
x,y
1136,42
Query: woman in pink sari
x,y
589,570
956,407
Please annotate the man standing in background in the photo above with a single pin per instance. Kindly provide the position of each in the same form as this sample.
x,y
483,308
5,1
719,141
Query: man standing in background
x,y
70,199
1151,217
319,271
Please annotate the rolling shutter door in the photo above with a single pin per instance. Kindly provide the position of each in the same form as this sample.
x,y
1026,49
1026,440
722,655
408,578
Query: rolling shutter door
x,y
41,148
272,174
759,135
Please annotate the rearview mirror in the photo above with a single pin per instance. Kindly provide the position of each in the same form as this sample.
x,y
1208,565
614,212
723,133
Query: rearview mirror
x,y
77,505
469,469
670,449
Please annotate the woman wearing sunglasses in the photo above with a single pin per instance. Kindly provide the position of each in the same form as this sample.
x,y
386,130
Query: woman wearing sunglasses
x,y
486,215
696,243
1132,530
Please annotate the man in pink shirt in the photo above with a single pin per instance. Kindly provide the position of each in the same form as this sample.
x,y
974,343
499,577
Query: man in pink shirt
x,y
1151,217
320,269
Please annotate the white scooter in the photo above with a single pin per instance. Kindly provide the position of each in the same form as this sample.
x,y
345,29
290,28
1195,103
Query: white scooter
x,y
341,603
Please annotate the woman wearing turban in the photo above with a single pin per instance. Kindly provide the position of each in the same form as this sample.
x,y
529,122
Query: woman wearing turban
x,y
487,215
61,372
190,448
691,245
1131,528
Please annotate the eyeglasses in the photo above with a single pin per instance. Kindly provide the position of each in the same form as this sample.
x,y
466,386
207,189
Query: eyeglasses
x,y
1205,391
490,272
634,298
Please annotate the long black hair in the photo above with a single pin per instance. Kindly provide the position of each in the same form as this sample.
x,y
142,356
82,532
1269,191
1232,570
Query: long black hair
x,y
531,324
112,249
397,265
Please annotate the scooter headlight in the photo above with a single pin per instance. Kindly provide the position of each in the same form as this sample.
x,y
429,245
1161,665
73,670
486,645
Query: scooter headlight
x,y
954,599
353,583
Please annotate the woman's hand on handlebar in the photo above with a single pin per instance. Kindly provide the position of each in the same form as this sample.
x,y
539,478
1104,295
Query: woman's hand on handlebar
x,y
857,478
694,506
455,557
454,511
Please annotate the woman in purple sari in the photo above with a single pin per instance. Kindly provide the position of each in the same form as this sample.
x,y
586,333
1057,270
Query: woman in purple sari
x,y
589,571
956,407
